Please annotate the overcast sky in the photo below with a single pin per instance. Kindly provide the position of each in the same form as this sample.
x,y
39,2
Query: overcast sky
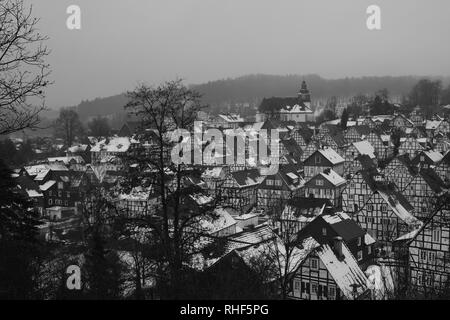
x,y
125,42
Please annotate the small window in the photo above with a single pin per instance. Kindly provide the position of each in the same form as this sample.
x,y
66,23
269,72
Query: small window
x,y
359,241
296,285
314,288
314,264
319,182
369,250
331,292
50,201
269,182
437,235
60,185
423,255
59,194
68,194
360,255
324,231
383,208
318,159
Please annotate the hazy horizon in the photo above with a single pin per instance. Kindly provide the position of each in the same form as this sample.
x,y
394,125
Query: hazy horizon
x,y
124,43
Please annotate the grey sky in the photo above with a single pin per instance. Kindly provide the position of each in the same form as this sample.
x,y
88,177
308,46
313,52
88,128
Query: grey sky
x,y
124,42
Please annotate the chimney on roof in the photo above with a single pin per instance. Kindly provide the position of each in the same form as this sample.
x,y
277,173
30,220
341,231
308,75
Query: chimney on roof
x,y
337,245
327,171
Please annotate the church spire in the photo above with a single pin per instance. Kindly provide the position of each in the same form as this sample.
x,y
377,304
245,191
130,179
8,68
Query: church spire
x,y
303,93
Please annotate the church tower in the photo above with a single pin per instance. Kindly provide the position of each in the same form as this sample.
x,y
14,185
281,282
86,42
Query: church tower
x,y
303,94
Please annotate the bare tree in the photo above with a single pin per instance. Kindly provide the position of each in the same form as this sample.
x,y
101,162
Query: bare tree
x,y
68,126
164,109
23,71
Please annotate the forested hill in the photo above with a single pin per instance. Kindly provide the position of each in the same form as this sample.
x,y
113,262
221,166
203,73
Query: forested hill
x,y
256,87
250,87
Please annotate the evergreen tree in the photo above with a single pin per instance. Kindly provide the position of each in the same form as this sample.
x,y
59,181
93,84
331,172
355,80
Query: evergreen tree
x,y
344,119
19,247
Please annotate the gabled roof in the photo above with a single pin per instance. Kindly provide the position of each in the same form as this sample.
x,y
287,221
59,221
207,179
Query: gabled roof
x,y
332,177
247,178
345,272
47,185
348,229
113,144
432,179
297,108
269,249
362,130
331,155
231,117
28,186
365,148
399,205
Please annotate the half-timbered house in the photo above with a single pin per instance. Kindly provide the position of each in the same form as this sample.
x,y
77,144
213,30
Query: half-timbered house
x,y
240,189
322,159
327,185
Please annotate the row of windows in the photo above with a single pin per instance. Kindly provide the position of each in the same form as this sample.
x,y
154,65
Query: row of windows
x,y
319,290
58,202
59,193
271,182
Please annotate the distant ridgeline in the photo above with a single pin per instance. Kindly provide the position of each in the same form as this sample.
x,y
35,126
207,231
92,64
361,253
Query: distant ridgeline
x,y
254,88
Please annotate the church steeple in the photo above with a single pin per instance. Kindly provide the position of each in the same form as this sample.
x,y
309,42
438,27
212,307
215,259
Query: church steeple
x,y
303,93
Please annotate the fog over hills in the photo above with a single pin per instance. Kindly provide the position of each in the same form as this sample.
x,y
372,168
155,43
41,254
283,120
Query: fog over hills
x,y
253,88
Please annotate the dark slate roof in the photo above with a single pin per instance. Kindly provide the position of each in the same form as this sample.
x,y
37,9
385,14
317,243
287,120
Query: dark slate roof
x,y
247,177
277,103
348,229
308,204
366,162
432,179
363,129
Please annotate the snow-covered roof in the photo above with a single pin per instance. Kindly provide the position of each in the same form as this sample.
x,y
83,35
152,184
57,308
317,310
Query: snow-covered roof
x,y
276,250
66,160
214,172
78,148
331,155
221,219
292,175
41,175
398,207
368,240
33,193
434,156
432,124
333,177
47,185
231,117
385,137
296,109
364,147
34,170
345,272
201,199
113,144
336,217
